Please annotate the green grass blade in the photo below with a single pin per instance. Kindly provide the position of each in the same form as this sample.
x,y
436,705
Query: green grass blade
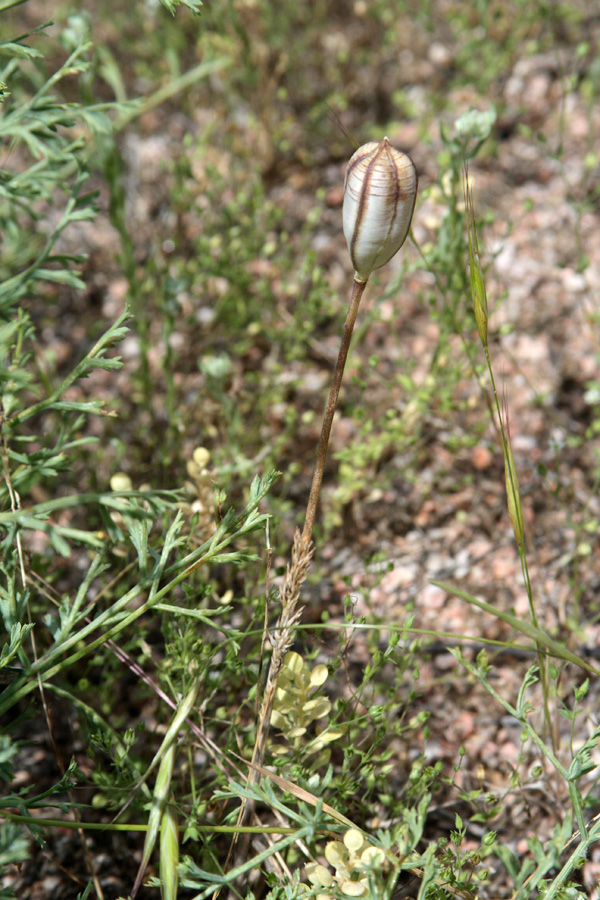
x,y
554,648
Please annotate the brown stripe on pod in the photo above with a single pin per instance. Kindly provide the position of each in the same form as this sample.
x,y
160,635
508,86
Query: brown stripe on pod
x,y
363,202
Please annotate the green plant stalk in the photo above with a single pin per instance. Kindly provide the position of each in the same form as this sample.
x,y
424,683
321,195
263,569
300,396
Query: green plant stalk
x,y
93,359
90,713
480,306
111,500
553,647
131,826
113,172
358,288
169,852
162,790
536,739
456,324
170,89
113,167
537,635
254,862
211,550
514,487
573,863
18,284
168,369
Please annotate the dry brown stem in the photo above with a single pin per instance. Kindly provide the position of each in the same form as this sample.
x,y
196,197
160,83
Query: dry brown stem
x,y
281,639
302,551
358,288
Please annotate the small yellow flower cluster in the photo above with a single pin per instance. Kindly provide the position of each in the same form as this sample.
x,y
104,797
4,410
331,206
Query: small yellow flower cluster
x,y
358,867
199,508
297,704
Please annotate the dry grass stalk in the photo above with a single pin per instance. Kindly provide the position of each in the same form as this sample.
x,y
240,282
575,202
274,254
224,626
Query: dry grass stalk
x,y
281,639
379,198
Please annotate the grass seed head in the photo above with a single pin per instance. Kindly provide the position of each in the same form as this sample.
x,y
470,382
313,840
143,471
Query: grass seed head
x,y
478,293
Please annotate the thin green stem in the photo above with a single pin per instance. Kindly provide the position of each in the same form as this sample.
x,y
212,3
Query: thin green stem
x,y
111,619
513,486
535,738
130,826
358,288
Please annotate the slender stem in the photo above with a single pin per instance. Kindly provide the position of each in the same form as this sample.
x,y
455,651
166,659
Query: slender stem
x,y
513,486
130,826
358,288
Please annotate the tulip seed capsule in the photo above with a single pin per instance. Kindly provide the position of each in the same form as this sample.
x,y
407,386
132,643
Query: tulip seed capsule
x,y
380,190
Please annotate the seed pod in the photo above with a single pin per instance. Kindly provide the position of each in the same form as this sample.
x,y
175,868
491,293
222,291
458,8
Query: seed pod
x,y
379,198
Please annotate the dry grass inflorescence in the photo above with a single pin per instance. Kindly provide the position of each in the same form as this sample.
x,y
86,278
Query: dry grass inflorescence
x,y
217,679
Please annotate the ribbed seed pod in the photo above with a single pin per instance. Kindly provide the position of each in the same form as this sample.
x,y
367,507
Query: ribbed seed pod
x,y
379,198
